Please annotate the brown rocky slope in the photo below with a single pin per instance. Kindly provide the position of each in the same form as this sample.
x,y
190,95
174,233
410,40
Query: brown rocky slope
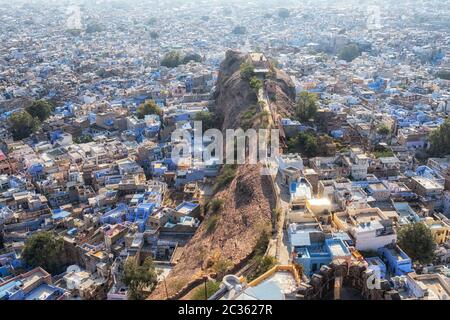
x,y
248,201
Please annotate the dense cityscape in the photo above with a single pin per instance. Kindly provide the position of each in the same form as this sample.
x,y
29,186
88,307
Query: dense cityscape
x,y
97,98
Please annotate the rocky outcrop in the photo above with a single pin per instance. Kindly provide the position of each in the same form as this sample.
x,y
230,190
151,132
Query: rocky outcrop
x,y
248,201
246,213
234,95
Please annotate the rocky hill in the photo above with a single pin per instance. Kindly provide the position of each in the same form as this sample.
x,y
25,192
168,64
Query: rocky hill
x,y
234,95
226,242
228,235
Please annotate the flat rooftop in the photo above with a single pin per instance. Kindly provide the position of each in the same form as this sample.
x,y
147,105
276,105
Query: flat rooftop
x,y
337,250
428,183
436,289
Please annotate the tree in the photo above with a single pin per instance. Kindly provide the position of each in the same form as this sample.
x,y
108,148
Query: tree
x,y
74,32
140,280
263,264
304,143
23,125
41,109
444,74
284,13
239,30
192,57
349,52
154,35
306,107
215,205
94,28
255,83
384,130
83,139
44,249
417,241
211,288
151,21
440,140
209,120
149,107
171,59
247,71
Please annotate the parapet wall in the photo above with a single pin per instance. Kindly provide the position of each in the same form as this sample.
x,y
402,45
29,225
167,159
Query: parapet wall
x,y
355,275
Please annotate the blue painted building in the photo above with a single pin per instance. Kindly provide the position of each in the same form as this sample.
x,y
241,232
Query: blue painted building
x,y
33,285
8,263
376,264
122,212
398,263
311,248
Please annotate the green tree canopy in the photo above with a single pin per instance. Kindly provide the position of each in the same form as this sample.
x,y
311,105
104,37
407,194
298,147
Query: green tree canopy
x,y
284,13
255,83
149,107
349,52
212,287
384,130
154,35
41,109
444,74
209,120
44,249
23,125
140,280
192,57
306,107
151,21
83,139
240,30
304,143
440,140
417,241
94,28
247,71
172,59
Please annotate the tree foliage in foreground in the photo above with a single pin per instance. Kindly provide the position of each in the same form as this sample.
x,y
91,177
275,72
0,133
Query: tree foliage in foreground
x,y
210,120
212,287
41,109
147,108
349,52
140,280
444,74
304,143
306,107
247,71
192,57
172,59
23,125
384,130
440,141
284,13
239,30
417,242
44,249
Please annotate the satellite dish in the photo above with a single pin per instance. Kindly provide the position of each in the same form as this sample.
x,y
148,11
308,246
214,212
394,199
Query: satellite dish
x,y
73,268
